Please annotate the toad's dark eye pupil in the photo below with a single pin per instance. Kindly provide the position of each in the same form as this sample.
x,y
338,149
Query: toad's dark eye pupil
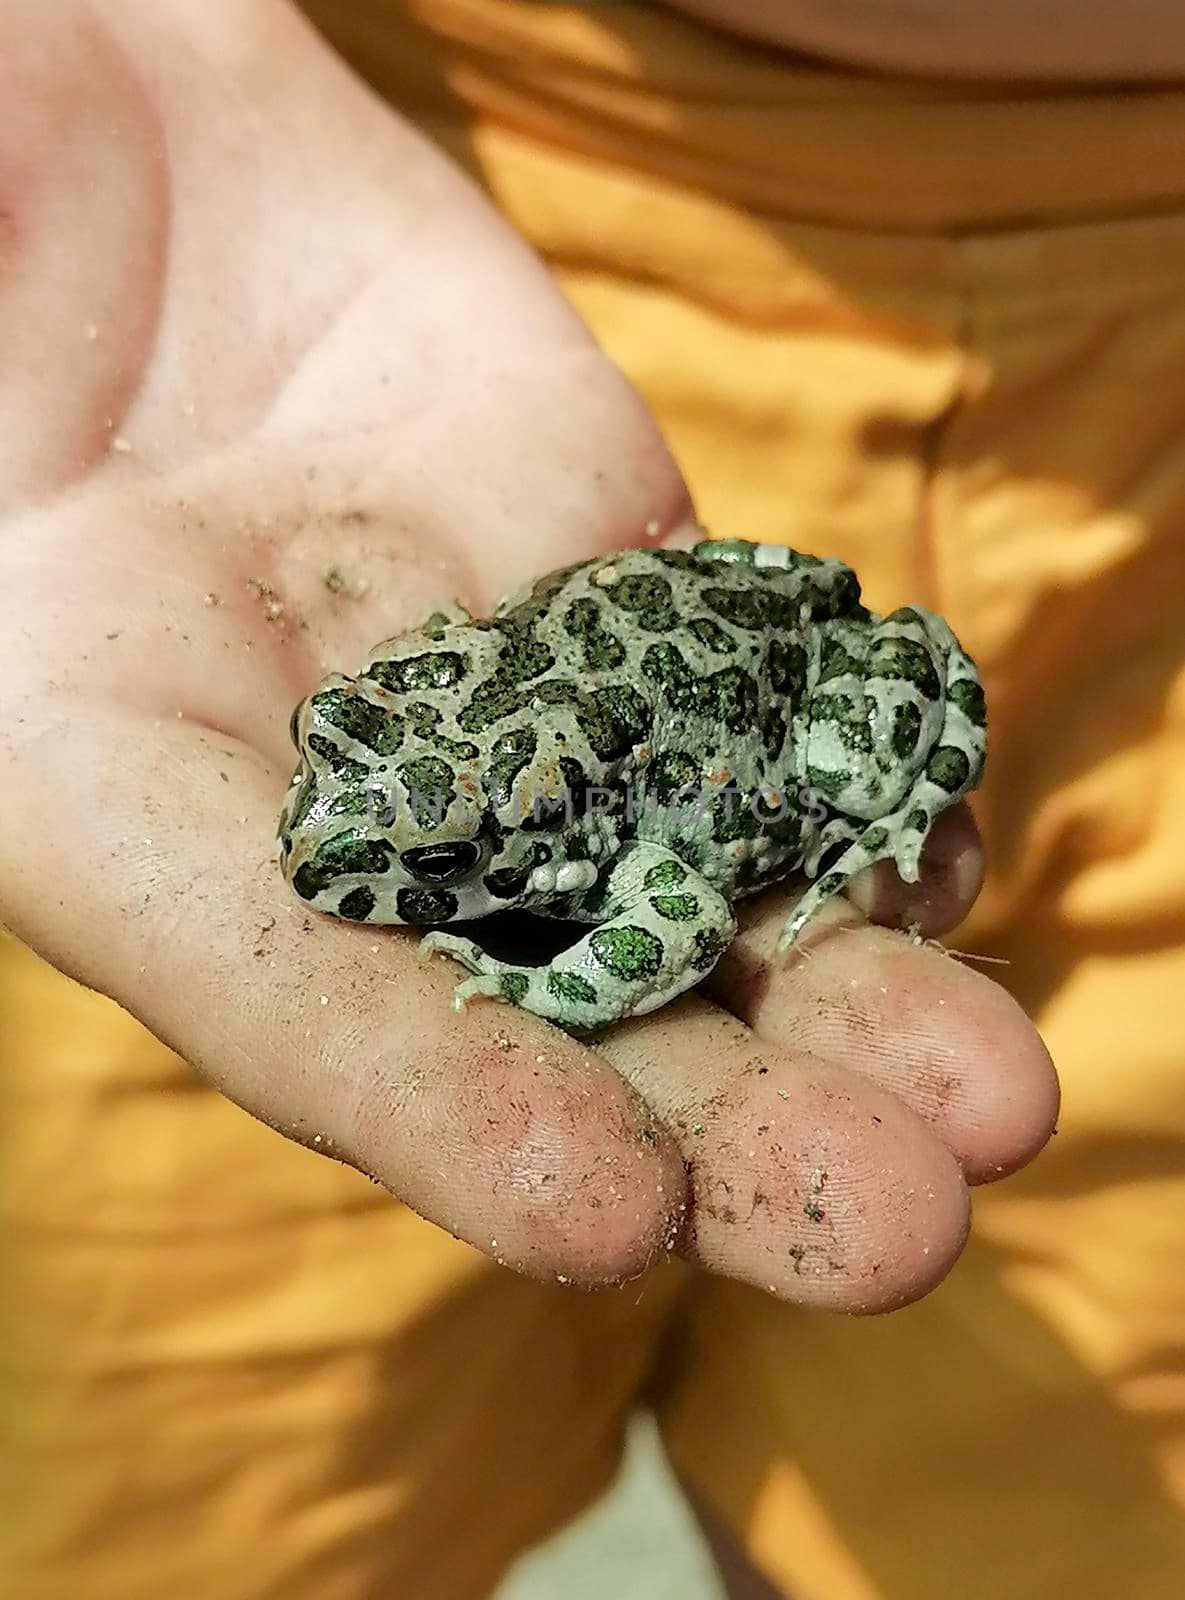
x,y
438,863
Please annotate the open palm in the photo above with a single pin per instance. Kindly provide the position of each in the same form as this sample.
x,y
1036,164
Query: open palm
x,y
277,382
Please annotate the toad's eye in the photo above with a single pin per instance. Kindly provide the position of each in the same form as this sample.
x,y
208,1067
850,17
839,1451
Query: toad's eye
x,y
441,863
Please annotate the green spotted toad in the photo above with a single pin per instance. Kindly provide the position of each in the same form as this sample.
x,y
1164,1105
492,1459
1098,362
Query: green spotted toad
x,y
634,743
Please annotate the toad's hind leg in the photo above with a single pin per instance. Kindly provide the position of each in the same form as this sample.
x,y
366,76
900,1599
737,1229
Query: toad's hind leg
x,y
662,929
898,726
877,842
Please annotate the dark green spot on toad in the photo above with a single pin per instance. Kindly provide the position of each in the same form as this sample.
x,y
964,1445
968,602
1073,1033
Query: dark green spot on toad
x,y
732,818
425,724
733,699
907,661
711,635
787,668
341,765
524,655
434,669
648,600
773,732
835,662
675,907
710,945
302,805
509,755
672,771
829,781
602,649
431,786
630,953
514,986
613,720
666,875
357,905
949,768
664,665
421,907
571,988
507,883
968,696
847,716
345,853
744,608
907,728
379,730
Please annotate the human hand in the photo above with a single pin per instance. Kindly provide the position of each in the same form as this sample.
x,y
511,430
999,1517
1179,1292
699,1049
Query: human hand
x,y
277,383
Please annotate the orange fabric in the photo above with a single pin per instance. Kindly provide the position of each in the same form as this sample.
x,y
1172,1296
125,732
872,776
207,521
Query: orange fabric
x,y
232,1368
633,85
940,333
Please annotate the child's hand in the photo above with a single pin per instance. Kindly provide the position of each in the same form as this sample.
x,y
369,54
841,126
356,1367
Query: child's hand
x,y
277,381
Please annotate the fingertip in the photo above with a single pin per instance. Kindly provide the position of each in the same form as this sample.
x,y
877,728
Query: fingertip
x,y
807,1181
934,1229
529,1147
945,1039
950,878
1017,1097
904,1222
964,1056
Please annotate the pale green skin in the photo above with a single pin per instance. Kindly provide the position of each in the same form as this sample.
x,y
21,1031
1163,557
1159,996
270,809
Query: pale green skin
x,y
734,668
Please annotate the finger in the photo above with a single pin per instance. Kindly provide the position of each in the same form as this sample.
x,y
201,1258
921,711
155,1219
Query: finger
x,y
806,1180
945,1039
951,878
507,1133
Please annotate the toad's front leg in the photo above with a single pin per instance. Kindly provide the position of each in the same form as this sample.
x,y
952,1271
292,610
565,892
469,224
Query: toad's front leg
x,y
661,928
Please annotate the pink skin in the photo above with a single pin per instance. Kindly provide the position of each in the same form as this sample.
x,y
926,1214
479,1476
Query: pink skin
x,y
258,335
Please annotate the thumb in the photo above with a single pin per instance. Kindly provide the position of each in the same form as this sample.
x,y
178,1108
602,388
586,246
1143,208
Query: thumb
x,y
163,894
